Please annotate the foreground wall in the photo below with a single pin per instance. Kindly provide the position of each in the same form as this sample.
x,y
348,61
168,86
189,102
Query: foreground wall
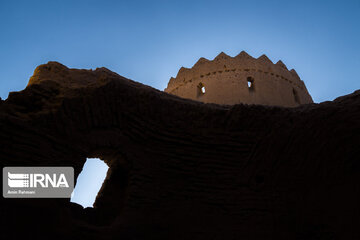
x,y
180,169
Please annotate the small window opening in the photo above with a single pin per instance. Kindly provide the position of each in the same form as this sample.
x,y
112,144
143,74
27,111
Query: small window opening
x,y
296,96
201,89
250,83
89,182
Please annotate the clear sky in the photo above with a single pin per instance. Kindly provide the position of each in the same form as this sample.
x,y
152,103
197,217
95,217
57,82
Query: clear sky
x,y
89,182
148,41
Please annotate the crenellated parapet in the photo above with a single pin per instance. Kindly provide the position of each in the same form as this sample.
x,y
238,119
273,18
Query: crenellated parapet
x,y
220,78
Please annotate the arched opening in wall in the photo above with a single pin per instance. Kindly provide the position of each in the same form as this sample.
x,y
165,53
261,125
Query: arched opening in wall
x,y
89,182
201,89
296,96
250,83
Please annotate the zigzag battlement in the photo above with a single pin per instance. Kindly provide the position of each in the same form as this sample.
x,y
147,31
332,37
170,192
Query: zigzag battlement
x,y
242,62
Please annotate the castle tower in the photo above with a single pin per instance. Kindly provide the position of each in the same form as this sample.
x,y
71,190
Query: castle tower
x,y
240,79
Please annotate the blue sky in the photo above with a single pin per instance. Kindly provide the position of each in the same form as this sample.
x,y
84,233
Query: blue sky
x,y
89,182
148,41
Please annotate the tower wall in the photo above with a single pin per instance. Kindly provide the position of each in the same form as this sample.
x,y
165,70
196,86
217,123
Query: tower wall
x,y
240,79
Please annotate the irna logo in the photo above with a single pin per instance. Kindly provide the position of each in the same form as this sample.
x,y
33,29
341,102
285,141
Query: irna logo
x,y
38,182
21,180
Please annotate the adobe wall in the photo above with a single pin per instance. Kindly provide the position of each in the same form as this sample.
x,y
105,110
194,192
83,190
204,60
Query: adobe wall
x,y
226,78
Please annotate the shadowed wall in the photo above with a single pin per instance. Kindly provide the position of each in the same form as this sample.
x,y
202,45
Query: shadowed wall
x,y
181,169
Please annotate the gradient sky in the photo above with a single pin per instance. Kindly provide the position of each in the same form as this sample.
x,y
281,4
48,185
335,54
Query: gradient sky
x,y
148,41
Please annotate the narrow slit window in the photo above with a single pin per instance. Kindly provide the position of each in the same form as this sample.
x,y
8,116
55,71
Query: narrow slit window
x,y
250,83
201,89
296,96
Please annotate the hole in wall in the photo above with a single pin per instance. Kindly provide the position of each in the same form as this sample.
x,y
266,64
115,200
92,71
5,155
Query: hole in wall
x,y
201,89
89,182
296,96
250,83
